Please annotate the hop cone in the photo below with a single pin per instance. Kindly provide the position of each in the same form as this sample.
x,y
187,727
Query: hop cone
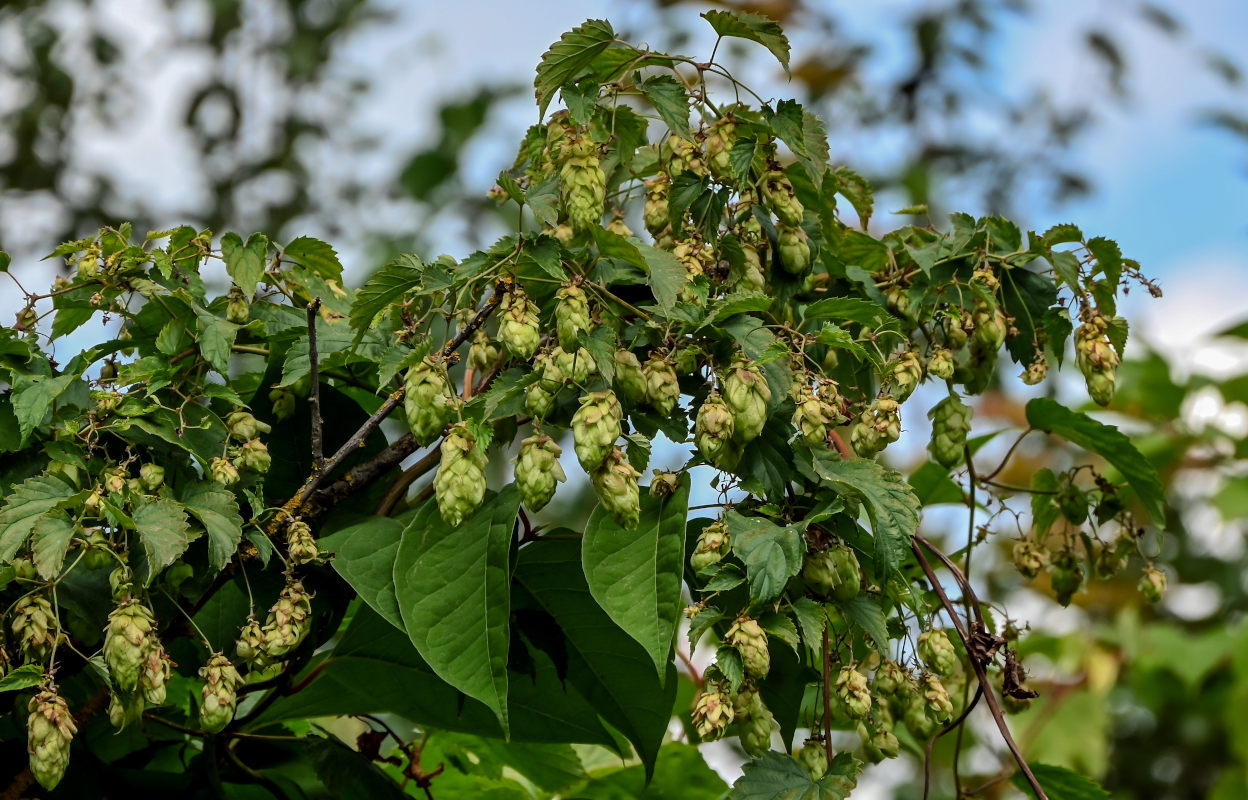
x,y
286,624
747,394
879,426
833,573
890,679
518,325
583,185
571,315
154,675
254,455
618,226
250,643
941,363
718,145
779,196
237,309
1035,372
125,709
957,327
1152,584
300,544
951,422
851,688
49,730
879,745
813,416
685,157
655,213
754,724
712,546
814,759
616,484
664,484
751,642
937,652
483,355
939,706
990,327
538,471
907,372
662,387
749,276
630,379
459,484
128,638
576,364
713,432
917,718
1066,577
794,249
244,427
538,402
34,627
427,402
220,693
549,374
595,427
151,476
1096,357
223,472
1030,557
712,713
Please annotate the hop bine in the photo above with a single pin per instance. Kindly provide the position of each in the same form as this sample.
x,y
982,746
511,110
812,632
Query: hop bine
x,y
459,484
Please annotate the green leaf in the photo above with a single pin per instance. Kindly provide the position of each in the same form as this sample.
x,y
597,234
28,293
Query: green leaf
x,y
1062,233
680,774
754,27
347,773
364,555
772,554
1004,237
867,615
1060,783
569,57
24,677
1108,257
811,620
667,274
1066,265
217,510
605,664
216,337
453,588
164,532
852,309
671,100
391,282
543,199
5,260
245,262
1027,297
854,188
544,253
50,540
635,575
1109,443
889,502
29,501
318,256
777,776
33,396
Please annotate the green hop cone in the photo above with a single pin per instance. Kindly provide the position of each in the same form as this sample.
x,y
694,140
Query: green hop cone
x,y
890,679
813,757
571,315
483,354
250,643
712,712
237,309
655,212
814,416
991,326
119,583
595,427
939,706
300,543
630,379
427,402
833,573
1066,575
538,403
151,476
718,145
779,196
283,401
518,324
459,484
125,709
1030,557
941,364
223,472
957,326
878,427
550,376
49,730
685,157
254,456
538,471
750,640
114,480
951,422
713,432
287,622
662,386
794,248
754,725
906,375
128,638
219,698
1096,357
615,482
712,546
749,276
917,717
880,745
244,427
1152,584
937,652
747,394
851,688
582,184
34,627
154,674
576,365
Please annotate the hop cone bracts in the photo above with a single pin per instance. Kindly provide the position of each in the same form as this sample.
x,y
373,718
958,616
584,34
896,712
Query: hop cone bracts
x,y
49,729
128,639
219,698
518,324
459,484
616,485
713,432
951,422
712,546
747,394
427,403
538,471
750,640
595,427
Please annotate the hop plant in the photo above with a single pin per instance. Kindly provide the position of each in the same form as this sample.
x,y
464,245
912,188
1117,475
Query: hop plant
x,y
237,309
615,483
128,639
459,484
991,327
34,627
747,394
750,640
1152,584
941,363
937,652
483,354
538,402
571,315
1036,371
286,625
1066,575
49,730
712,712
779,196
244,427
718,145
685,157
223,472
582,184
713,432
1096,357
712,546
151,476
630,378
951,422
906,375
664,484
254,456
538,471
878,427
300,543
427,402
854,694
219,697
662,387
518,328
917,714
890,679
595,427
833,573
1030,557
794,248
814,758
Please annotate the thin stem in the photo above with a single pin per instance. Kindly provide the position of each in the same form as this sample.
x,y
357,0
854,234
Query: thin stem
x,y
314,396
1008,453
827,693
400,486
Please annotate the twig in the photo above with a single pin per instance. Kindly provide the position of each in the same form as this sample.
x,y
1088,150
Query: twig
x,y
314,396
827,694
997,715
691,668
1008,453
841,447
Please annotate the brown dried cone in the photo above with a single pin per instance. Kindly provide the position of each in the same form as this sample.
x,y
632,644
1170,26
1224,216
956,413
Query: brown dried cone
x,y
595,427
34,628
747,394
459,484
750,640
220,694
615,482
712,712
49,730
128,638
662,386
713,432
287,623
538,471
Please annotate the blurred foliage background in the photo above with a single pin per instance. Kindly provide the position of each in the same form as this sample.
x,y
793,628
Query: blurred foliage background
x,y
277,130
